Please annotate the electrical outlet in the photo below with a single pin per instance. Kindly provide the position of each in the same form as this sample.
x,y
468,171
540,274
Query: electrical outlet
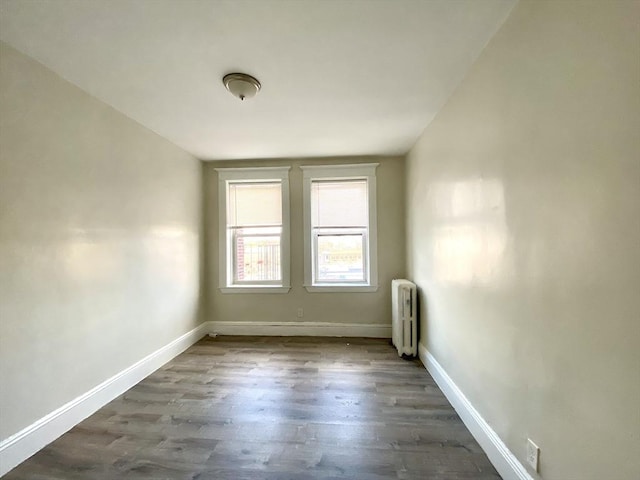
x,y
533,453
300,312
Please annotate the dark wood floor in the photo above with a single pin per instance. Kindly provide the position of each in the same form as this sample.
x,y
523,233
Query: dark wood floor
x,y
272,408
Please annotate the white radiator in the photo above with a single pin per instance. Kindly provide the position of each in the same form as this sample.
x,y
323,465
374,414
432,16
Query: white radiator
x,y
405,326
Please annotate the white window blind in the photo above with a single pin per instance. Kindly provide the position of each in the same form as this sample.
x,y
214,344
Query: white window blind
x,y
254,204
340,203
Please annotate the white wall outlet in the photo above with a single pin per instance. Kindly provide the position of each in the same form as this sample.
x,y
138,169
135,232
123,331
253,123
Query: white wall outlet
x,y
300,312
533,454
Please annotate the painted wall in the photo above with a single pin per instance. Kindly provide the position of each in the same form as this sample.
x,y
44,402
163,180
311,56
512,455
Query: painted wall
x,y
524,233
339,308
99,241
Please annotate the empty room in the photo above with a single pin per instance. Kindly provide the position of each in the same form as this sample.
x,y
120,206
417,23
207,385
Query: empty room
x,y
320,239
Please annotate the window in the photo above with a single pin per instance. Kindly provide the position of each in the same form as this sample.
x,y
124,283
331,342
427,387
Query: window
x,y
340,228
254,229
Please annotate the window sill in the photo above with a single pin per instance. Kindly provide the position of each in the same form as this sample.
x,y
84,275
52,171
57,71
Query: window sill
x,y
337,288
256,289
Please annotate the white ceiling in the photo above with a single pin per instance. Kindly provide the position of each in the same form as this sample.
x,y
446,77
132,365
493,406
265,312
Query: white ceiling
x,y
339,77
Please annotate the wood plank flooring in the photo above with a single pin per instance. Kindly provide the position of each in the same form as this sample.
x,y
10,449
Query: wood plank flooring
x,y
272,408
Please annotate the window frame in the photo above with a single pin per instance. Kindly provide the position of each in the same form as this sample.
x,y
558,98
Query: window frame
x,y
360,171
226,254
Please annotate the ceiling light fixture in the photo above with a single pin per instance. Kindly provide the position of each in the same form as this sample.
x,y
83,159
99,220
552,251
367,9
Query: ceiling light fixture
x,y
241,85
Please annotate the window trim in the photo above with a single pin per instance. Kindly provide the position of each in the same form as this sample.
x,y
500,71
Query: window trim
x,y
359,171
252,175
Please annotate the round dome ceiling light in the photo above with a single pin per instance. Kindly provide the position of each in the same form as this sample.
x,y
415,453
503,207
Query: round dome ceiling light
x,y
241,85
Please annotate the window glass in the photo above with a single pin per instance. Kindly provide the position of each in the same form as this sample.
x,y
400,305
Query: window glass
x,y
257,254
340,257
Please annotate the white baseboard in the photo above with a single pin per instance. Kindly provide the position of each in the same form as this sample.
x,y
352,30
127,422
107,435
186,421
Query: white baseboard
x,y
505,462
289,329
20,446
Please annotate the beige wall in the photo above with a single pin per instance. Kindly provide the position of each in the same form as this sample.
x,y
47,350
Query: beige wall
x,y
524,233
339,308
99,241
